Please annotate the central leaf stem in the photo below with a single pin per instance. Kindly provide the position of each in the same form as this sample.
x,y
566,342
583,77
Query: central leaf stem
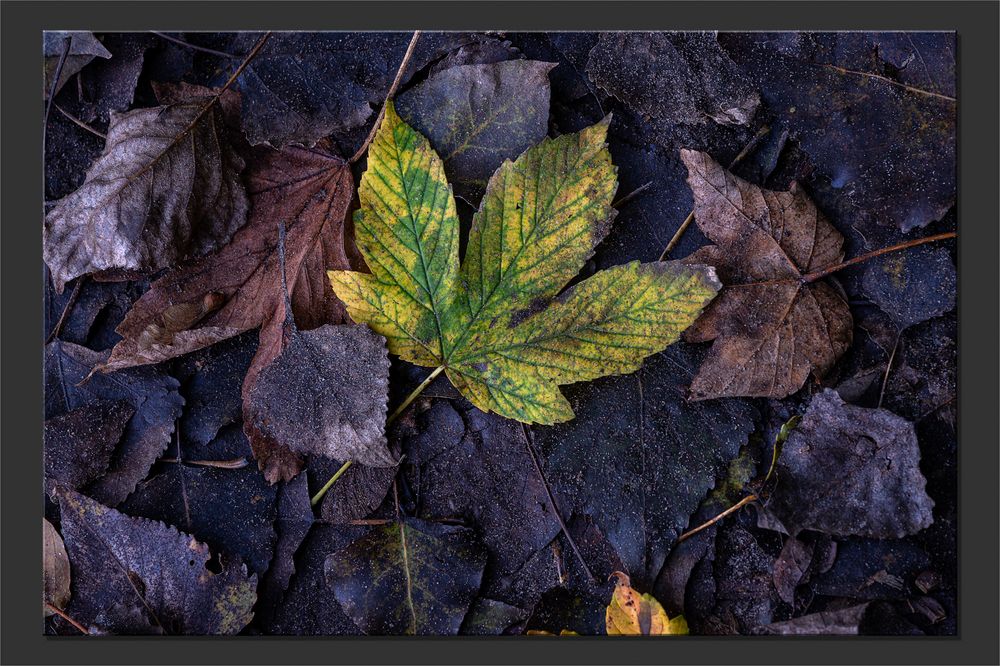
x,y
389,421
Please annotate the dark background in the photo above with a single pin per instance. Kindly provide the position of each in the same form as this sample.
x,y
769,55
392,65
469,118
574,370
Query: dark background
x,y
977,402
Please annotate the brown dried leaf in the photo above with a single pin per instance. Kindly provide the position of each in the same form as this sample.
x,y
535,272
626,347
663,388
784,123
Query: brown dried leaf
x,y
770,328
55,568
326,395
239,288
166,188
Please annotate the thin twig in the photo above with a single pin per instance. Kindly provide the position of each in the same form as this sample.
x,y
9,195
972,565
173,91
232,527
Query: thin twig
x,y
80,123
204,49
76,625
818,275
66,310
235,463
631,195
743,502
878,77
888,367
52,88
392,91
761,133
552,502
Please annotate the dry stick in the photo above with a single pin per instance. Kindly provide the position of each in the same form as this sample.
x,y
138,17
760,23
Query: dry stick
x,y
743,502
761,133
235,463
389,421
388,96
552,502
888,368
631,195
818,275
52,88
65,313
76,625
205,49
79,123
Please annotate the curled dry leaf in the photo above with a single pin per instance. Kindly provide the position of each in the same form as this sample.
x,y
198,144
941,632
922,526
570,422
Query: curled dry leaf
x,y
633,614
411,577
876,489
55,568
769,328
325,395
495,323
138,576
166,188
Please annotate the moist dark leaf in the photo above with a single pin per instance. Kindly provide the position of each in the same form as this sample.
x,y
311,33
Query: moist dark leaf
x,y
682,78
846,99
358,492
55,568
843,621
465,464
166,188
482,50
744,591
79,444
83,48
325,395
873,569
769,329
109,85
877,490
294,518
151,393
305,86
309,607
923,378
132,575
638,458
98,308
489,617
912,286
426,589
791,567
211,380
582,612
478,115
230,510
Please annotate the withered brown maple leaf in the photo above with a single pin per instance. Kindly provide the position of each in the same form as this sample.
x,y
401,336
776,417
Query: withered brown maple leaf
x,y
167,188
771,327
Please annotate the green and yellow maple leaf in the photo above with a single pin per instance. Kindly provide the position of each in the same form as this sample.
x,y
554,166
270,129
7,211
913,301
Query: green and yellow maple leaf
x,y
497,323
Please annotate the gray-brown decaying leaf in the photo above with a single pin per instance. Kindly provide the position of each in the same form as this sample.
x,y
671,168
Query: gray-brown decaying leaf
x,y
850,470
83,48
844,621
55,568
675,77
357,493
770,329
151,393
132,575
326,395
294,518
79,444
166,188
791,567
478,115
413,577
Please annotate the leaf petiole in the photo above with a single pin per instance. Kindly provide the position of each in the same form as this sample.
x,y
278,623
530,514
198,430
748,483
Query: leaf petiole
x,y
392,418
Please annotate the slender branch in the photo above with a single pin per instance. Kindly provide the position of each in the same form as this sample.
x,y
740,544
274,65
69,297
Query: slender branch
x,y
195,47
66,310
552,502
818,275
76,625
884,79
389,421
392,91
761,133
736,507
52,88
79,123
631,195
235,463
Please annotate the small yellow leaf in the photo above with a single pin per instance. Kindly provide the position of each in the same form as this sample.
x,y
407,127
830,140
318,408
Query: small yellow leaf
x,y
633,614
542,632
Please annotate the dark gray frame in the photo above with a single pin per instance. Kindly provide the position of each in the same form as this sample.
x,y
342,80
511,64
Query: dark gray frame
x,y
21,397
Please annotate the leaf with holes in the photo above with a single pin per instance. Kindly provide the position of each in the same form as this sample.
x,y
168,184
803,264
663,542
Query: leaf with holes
x,y
498,324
